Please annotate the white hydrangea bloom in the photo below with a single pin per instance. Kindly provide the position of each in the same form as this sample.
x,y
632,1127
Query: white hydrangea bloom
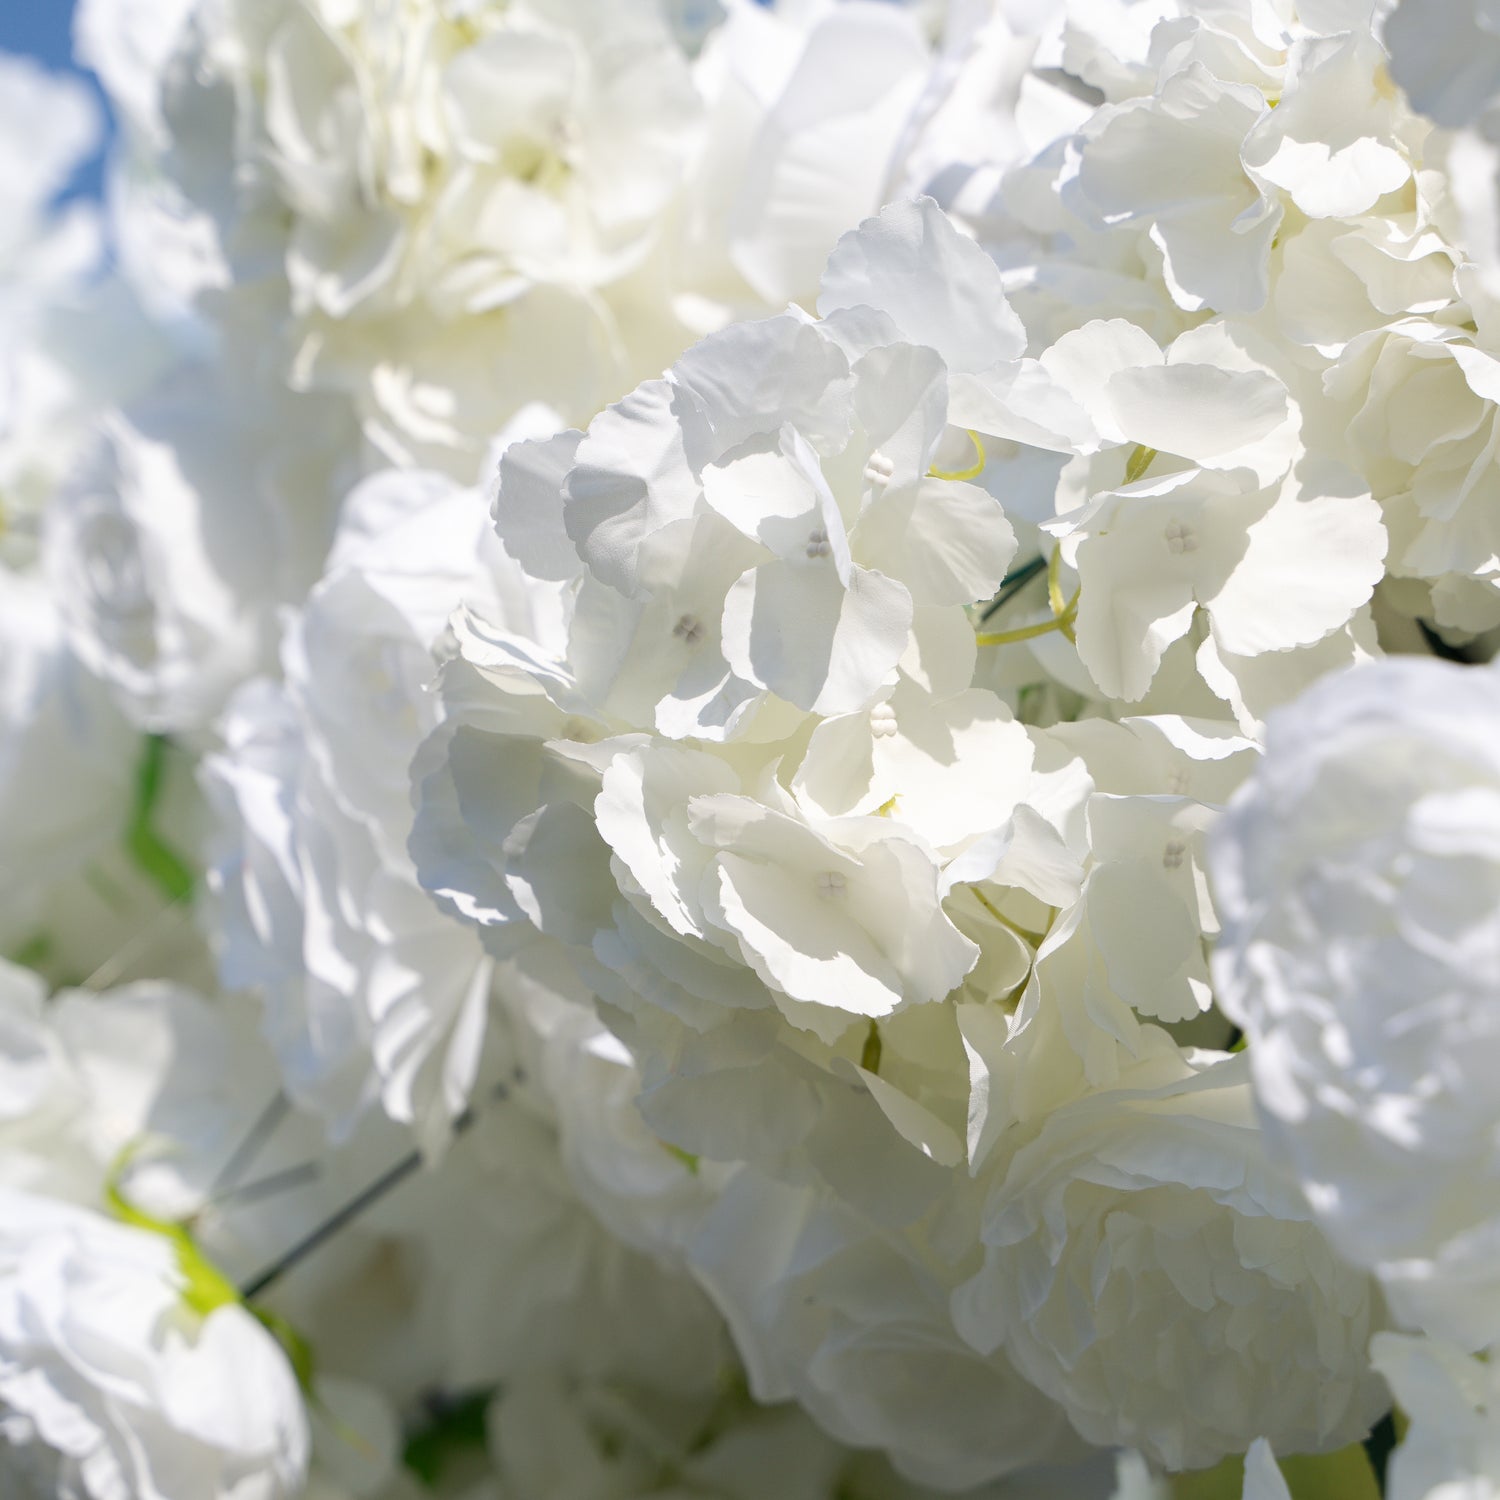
x,y
738,520
421,226
1214,1309
856,924
717,543
534,1195
1354,878
649,1195
1265,112
442,260
190,521
372,993
436,256
1204,511
1419,402
104,1364
859,1334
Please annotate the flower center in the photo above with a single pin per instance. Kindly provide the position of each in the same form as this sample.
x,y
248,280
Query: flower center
x,y
1180,538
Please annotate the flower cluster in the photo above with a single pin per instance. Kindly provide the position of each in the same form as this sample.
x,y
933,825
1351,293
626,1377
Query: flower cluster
x,y
757,800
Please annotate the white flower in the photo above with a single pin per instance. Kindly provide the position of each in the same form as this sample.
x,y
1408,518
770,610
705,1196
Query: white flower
x,y
840,918
1338,279
760,537
1452,1446
104,1364
1446,55
611,1441
371,991
149,1081
632,1183
859,1334
1356,877
1149,559
830,91
185,527
1418,407
1224,527
1120,859
1148,1267
1263,1478
850,917
449,214
1333,142
1211,220
506,1213
945,768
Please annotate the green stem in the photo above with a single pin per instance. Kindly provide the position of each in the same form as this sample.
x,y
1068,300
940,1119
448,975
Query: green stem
x,y
1035,939
1063,622
1139,461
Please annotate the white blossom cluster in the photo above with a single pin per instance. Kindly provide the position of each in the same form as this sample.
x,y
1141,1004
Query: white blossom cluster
x,y
748,750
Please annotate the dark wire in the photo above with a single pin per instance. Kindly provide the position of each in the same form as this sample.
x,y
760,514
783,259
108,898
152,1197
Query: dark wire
x,y
250,1147
268,1186
362,1200
329,1227
1012,584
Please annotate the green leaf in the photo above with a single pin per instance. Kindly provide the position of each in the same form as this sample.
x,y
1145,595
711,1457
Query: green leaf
x,y
156,859
34,952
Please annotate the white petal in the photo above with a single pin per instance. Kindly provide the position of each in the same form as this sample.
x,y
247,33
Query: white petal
x,y
795,629
936,285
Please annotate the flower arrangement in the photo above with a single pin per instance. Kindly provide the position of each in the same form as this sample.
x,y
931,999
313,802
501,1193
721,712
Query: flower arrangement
x,y
749,750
